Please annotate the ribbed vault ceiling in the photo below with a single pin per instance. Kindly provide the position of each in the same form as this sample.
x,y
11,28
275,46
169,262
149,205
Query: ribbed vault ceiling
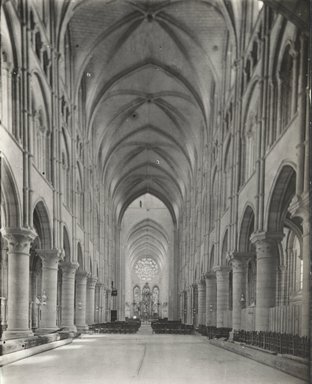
x,y
147,69
148,239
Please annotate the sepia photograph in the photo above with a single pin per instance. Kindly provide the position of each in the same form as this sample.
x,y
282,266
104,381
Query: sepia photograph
x,y
155,192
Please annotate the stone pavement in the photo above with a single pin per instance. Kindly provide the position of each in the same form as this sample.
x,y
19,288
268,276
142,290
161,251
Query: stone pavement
x,y
141,358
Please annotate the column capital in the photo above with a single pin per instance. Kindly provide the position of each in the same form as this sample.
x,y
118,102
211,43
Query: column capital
x,y
238,265
221,269
299,207
266,237
81,274
266,244
19,239
241,255
69,267
210,275
92,281
238,261
49,257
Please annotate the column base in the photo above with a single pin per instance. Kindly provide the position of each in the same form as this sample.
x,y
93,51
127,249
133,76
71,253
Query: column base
x,y
82,328
43,331
16,334
68,328
231,336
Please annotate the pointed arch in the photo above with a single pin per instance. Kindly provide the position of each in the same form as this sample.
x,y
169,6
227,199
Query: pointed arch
x,y
66,245
80,256
42,224
212,261
10,200
246,229
225,248
282,192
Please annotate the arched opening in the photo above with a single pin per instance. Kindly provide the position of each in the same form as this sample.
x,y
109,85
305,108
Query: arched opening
x,y
9,217
246,230
42,243
10,202
147,238
282,193
65,170
248,253
224,251
212,258
66,259
77,300
286,88
42,225
227,176
289,261
66,245
35,294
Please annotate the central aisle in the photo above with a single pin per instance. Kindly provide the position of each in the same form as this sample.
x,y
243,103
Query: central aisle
x,y
145,359
145,329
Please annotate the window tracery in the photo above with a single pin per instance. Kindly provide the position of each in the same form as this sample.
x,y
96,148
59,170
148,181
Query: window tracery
x,y
146,269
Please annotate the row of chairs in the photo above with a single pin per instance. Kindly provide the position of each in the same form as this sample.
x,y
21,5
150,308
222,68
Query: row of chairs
x,y
213,332
282,343
116,327
172,327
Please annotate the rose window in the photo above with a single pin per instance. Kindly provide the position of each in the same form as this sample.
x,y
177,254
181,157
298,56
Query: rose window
x,y
146,268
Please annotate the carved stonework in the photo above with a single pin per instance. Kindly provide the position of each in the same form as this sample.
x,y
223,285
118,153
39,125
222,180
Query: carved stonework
x,y
299,207
221,269
81,276
210,275
49,257
239,261
92,282
238,265
69,268
18,239
266,243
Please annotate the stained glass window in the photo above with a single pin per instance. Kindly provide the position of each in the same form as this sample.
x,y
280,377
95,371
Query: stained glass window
x,y
146,268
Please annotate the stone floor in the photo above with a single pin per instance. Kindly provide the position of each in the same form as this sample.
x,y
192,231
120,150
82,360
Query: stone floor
x,y
141,358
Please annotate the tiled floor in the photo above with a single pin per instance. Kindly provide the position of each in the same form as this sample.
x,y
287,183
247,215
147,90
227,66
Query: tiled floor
x,y
140,358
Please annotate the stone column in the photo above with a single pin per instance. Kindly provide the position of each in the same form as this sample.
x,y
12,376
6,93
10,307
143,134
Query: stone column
x,y
201,303
306,279
282,274
18,241
211,298
222,275
102,308
3,282
90,299
239,288
104,305
68,295
267,257
189,306
50,259
81,298
97,303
